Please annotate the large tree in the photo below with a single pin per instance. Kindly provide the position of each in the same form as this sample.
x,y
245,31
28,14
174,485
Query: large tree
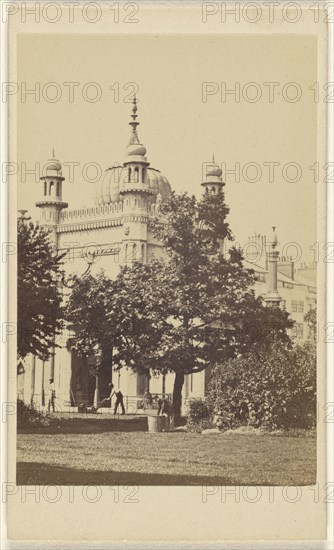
x,y
193,309
119,321
184,313
40,278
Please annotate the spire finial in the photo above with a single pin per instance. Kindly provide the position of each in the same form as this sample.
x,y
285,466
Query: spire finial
x,y
275,240
213,157
135,150
53,152
134,108
134,123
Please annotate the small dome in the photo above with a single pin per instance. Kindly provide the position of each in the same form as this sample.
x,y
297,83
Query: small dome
x,y
53,164
115,179
213,176
136,149
215,171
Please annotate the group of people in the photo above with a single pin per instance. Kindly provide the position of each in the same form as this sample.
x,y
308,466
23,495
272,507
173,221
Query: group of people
x,y
119,397
163,403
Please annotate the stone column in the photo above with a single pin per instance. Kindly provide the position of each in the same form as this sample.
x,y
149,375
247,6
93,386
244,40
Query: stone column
x,y
272,268
272,297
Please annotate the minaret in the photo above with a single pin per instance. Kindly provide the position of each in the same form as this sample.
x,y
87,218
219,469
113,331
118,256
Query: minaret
x,y
52,204
272,297
213,183
135,160
136,195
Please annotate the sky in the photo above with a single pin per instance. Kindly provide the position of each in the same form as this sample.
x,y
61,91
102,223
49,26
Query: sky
x,y
181,126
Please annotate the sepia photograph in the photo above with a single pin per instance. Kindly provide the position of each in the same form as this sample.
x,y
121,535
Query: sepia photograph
x,y
168,255
167,284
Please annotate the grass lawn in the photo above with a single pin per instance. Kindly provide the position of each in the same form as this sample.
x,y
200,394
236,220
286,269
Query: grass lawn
x,y
143,458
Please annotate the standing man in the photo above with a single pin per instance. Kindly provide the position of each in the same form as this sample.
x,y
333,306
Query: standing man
x,y
52,395
119,398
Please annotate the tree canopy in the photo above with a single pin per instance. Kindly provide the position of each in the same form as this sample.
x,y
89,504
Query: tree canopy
x,y
40,277
189,311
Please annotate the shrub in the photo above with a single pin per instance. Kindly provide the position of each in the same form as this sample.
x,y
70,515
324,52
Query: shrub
x,y
199,415
28,415
275,389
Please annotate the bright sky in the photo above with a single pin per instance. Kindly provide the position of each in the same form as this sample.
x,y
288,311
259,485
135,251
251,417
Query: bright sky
x,y
178,128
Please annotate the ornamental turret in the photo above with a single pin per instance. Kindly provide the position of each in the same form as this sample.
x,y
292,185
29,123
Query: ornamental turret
x,y
213,183
137,196
135,161
51,203
272,298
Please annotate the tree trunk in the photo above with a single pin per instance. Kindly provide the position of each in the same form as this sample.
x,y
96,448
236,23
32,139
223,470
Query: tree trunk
x,y
177,397
33,379
96,400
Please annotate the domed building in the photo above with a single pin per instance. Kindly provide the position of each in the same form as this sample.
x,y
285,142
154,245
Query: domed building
x,y
114,231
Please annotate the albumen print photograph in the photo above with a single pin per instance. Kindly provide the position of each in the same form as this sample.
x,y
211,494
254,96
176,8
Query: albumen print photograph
x,y
167,259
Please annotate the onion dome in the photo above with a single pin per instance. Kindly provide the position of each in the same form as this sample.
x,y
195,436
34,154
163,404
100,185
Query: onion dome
x,y
135,149
115,180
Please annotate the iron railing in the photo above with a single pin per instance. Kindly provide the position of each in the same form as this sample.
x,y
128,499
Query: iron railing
x,y
133,404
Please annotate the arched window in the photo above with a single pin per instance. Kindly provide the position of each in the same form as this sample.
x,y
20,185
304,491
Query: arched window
x,y
45,188
51,187
136,175
58,188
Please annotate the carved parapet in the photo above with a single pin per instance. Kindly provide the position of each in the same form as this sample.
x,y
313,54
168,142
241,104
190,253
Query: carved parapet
x,y
89,225
96,212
